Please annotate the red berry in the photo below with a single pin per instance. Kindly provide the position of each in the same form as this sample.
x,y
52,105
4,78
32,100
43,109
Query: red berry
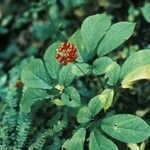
x,y
72,55
72,50
69,59
57,56
66,53
64,62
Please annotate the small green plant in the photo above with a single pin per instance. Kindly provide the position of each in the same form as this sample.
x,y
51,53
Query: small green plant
x,y
81,119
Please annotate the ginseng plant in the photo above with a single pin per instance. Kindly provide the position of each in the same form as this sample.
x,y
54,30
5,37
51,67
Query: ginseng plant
x,y
79,80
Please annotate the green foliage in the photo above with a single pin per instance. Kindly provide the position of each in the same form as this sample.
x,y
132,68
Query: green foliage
x,y
37,78
138,70
80,69
77,141
106,98
22,130
126,128
95,105
99,142
85,104
71,97
31,96
85,114
64,73
52,65
34,72
107,66
77,40
42,136
93,29
116,35
145,11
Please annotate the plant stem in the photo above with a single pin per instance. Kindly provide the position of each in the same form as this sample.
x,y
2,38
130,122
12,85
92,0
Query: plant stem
x,y
101,83
89,78
84,73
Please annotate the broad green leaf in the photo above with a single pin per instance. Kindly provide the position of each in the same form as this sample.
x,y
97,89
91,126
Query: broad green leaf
x,y
30,97
93,29
107,98
116,35
77,141
95,105
71,97
52,65
126,128
34,75
77,40
84,115
107,66
65,75
113,74
99,142
146,11
136,67
80,69
101,65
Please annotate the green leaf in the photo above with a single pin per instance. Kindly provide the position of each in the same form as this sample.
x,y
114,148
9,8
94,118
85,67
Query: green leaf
x,y
107,66
52,65
30,97
100,65
65,75
77,141
80,69
113,74
146,11
93,29
99,142
77,40
116,35
71,97
84,115
35,76
136,67
107,98
95,105
126,128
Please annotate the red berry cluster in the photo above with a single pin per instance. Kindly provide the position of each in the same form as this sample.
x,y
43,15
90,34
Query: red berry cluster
x,y
66,53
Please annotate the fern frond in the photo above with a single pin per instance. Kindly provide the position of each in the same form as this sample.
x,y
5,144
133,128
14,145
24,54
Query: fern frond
x,y
4,137
56,144
22,130
9,120
43,136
